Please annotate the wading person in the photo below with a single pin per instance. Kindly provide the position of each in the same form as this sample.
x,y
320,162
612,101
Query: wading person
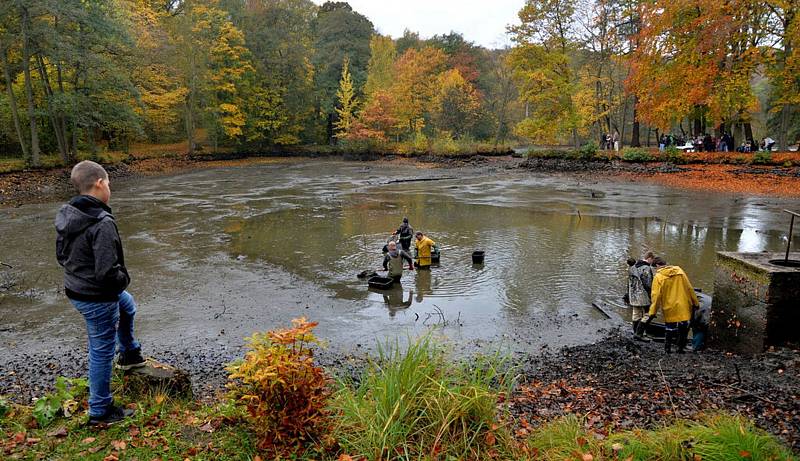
x,y
393,261
89,249
640,281
673,294
424,247
405,233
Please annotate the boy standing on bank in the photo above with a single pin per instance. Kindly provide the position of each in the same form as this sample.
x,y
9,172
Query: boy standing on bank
x,y
89,249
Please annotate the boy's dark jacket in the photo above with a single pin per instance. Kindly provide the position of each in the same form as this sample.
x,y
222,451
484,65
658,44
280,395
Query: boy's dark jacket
x,y
90,250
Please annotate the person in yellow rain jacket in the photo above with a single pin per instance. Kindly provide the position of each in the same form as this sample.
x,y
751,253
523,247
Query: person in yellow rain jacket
x,y
673,293
424,249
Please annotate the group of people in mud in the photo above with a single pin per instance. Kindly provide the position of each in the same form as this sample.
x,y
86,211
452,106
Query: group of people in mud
x,y
394,258
655,286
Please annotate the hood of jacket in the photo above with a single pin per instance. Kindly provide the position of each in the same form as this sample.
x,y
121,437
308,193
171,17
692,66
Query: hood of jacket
x,y
81,212
671,271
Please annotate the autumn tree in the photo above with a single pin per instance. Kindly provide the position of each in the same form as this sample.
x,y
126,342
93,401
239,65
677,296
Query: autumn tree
x,y
682,68
416,86
545,72
346,97
783,57
376,121
381,64
455,105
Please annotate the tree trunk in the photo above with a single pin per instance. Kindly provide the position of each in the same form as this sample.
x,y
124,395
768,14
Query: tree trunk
x,y
748,134
26,70
189,125
635,134
64,133
12,101
48,94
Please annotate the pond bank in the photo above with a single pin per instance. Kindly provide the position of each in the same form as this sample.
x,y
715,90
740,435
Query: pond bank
x,y
617,384
32,186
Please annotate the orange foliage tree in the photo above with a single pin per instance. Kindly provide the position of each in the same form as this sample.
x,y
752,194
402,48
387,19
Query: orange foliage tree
x,y
376,121
415,86
695,57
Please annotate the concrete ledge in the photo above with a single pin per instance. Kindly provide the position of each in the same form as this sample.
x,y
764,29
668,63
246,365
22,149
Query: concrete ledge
x,y
756,303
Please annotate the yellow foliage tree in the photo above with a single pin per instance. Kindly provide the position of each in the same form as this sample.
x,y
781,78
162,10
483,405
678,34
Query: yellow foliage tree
x,y
347,101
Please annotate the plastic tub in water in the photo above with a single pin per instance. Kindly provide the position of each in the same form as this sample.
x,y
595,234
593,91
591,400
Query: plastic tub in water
x,y
381,283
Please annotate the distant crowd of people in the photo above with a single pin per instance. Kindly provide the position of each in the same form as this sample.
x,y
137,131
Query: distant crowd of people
x,y
708,143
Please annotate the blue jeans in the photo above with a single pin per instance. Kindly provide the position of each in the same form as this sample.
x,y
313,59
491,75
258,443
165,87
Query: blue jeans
x,y
105,337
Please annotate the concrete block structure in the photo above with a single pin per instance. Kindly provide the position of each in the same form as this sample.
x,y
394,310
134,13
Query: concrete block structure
x,y
756,301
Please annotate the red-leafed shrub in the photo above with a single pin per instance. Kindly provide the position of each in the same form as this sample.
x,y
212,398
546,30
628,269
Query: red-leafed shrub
x,y
284,392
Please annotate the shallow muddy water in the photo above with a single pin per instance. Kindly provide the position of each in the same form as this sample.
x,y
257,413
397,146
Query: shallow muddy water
x,y
219,253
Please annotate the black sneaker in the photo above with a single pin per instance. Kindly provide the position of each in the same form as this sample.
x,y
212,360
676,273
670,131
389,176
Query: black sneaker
x,y
113,414
130,359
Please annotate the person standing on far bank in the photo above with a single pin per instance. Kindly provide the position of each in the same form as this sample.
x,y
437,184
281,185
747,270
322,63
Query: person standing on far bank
x,y
89,248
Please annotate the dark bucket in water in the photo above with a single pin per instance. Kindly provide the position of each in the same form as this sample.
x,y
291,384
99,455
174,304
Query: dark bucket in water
x,y
477,257
381,283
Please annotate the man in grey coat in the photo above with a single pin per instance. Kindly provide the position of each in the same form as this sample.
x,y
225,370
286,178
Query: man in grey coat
x,y
89,249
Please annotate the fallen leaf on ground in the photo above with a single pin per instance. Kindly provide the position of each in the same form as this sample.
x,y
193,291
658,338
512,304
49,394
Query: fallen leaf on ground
x,y
207,427
88,440
118,444
60,432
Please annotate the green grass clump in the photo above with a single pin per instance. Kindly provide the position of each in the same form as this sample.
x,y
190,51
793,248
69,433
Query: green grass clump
x,y
761,158
416,403
724,437
632,154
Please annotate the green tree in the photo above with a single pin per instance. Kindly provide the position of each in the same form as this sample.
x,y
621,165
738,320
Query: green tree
x,y
282,107
339,31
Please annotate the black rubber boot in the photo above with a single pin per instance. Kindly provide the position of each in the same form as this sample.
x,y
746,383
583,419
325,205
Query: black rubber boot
x,y
669,338
638,335
636,326
683,333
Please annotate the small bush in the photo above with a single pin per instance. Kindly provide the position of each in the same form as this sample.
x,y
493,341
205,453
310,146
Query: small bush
x,y
674,155
414,402
284,392
587,151
64,401
788,164
631,154
761,158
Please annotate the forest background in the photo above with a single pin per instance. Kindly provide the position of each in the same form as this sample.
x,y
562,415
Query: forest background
x,y
80,77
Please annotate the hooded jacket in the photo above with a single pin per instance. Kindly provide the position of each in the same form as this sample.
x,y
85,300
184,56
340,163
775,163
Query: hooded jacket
x,y
424,250
89,249
640,280
673,293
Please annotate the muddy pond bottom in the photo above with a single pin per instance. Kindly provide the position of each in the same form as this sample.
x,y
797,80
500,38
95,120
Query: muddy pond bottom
x,y
220,253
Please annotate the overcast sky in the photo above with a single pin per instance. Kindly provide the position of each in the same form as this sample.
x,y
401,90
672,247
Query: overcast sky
x,y
480,21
